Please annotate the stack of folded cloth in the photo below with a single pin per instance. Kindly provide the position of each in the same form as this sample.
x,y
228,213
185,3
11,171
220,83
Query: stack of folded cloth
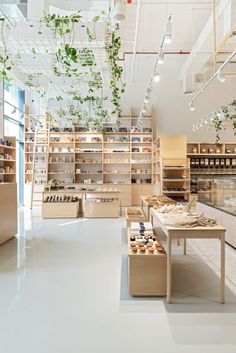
x,y
141,228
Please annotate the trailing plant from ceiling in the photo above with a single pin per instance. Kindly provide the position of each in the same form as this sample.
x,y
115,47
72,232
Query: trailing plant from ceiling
x,y
6,64
221,116
116,84
32,81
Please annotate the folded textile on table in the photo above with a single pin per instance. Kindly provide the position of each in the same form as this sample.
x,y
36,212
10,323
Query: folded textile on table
x,y
139,232
188,220
141,226
171,208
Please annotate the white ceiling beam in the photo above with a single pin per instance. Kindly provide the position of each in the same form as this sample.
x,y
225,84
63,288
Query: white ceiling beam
x,y
135,39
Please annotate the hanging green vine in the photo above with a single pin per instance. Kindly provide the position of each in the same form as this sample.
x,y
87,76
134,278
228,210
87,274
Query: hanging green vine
x,y
226,113
116,84
4,57
78,63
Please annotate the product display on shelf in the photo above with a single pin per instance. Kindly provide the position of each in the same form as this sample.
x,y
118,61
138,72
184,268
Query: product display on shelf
x,y
111,157
8,159
210,159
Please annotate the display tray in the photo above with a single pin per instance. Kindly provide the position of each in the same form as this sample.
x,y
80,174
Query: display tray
x,y
134,215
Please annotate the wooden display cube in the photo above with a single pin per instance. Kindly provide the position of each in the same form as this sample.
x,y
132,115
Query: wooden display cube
x,y
134,215
60,209
101,209
147,274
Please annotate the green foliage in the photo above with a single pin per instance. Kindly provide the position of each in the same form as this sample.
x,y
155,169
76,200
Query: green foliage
x,y
226,113
116,84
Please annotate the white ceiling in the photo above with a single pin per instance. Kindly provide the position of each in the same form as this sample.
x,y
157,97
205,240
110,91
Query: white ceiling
x,y
188,18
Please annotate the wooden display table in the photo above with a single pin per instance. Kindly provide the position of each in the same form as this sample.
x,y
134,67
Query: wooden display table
x,y
108,205
60,209
216,232
84,206
147,273
8,211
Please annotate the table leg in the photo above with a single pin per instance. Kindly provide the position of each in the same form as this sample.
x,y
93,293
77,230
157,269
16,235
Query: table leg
x,y
168,269
222,274
185,246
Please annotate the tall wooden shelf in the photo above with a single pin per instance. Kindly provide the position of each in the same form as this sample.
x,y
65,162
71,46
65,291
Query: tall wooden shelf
x,y
209,159
8,160
116,156
170,166
100,158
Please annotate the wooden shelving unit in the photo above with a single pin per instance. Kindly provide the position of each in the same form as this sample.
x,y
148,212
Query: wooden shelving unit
x,y
8,160
117,156
174,177
170,166
112,157
209,159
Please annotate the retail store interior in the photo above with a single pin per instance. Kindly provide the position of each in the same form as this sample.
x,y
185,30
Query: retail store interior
x,y
118,176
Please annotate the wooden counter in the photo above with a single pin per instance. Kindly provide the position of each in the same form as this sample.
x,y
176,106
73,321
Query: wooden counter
x,y
8,211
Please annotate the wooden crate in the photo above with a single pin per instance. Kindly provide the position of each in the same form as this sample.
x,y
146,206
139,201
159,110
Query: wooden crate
x,y
101,209
60,209
134,215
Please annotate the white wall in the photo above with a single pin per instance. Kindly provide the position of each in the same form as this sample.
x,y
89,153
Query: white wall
x,y
171,111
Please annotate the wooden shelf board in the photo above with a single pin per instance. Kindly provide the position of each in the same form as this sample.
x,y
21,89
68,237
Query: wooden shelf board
x,y
115,163
95,173
141,143
116,143
180,180
88,162
61,143
89,143
59,162
7,160
88,152
58,152
212,154
7,147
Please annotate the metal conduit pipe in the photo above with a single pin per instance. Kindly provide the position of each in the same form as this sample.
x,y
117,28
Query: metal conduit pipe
x,y
181,52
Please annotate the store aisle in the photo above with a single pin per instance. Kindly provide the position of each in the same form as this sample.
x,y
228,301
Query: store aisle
x,y
64,290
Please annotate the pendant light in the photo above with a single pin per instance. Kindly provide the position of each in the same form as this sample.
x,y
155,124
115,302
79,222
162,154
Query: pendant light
x,y
220,76
156,77
160,58
191,106
144,109
119,11
168,34
146,99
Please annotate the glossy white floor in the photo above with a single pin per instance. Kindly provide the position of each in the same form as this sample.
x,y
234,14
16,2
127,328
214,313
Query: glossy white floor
x,y
64,290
